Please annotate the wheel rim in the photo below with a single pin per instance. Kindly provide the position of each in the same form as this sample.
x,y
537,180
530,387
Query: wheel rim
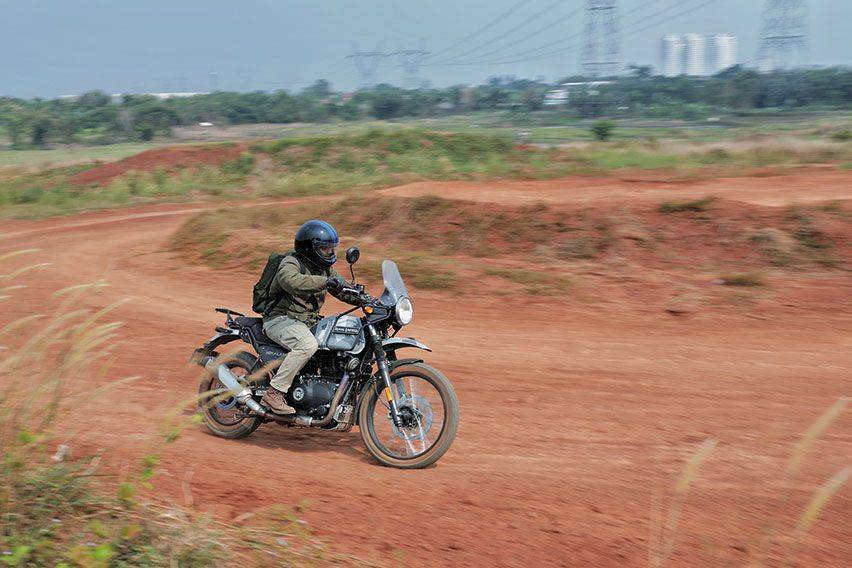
x,y
423,411
224,411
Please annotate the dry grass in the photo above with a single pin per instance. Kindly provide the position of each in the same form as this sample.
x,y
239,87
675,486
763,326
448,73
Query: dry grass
x,y
57,509
663,535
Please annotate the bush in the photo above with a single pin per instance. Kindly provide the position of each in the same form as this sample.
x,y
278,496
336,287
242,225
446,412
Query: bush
x,y
742,279
241,166
697,205
28,195
602,130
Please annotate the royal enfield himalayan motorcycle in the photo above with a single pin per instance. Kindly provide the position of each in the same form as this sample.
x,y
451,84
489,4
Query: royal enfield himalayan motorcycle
x,y
406,410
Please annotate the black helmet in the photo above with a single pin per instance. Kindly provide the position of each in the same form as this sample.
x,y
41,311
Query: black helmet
x,y
317,241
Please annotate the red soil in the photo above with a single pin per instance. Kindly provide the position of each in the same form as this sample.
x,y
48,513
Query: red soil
x,y
169,159
801,186
577,416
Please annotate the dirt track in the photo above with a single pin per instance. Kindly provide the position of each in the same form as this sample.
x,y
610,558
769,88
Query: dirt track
x,y
574,418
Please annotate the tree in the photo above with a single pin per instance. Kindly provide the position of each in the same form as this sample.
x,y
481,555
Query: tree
x,y
321,88
39,130
602,130
386,105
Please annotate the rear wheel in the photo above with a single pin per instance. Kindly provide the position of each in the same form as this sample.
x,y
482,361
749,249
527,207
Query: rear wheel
x,y
221,415
429,410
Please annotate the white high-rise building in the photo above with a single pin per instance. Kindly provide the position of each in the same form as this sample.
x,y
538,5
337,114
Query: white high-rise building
x,y
722,53
671,55
694,54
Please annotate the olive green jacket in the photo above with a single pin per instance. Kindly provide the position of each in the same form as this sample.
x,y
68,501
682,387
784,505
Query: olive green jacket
x,y
303,294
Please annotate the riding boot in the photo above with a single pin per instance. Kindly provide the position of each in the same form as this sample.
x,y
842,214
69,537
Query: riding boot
x,y
277,401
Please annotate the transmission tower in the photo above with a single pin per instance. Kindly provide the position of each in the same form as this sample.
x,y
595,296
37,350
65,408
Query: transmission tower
x,y
411,60
601,40
783,35
367,63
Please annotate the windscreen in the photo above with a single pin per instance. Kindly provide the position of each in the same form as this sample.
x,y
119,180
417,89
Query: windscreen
x,y
394,286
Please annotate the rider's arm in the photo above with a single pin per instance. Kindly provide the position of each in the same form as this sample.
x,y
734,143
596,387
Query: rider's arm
x,y
293,281
343,296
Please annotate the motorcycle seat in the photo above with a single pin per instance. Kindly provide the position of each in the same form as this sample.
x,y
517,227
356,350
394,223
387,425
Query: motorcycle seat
x,y
245,321
267,349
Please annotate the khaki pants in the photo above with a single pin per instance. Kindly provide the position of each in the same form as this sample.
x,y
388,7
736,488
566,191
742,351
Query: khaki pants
x,y
295,336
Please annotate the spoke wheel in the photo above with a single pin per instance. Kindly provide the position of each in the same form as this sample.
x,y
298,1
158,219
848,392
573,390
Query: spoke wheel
x,y
428,407
220,413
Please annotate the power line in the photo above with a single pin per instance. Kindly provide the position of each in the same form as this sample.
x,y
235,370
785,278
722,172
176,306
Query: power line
x,y
565,50
529,20
549,26
563,40
487,26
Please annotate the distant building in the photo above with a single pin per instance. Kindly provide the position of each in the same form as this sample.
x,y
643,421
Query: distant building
x,y
556,97
694,54
671,55
117,97
722,53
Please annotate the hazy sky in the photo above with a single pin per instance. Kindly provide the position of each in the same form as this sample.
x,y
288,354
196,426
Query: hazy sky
x,y
54,47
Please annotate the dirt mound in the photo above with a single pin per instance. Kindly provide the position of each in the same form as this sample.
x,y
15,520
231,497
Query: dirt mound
x,y
694,235
170,159
770,187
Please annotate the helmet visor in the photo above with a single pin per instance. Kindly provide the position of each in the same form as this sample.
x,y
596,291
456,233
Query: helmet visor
x,y
326,251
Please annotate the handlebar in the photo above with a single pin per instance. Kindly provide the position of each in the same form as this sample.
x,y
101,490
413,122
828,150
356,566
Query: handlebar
x,y
363,298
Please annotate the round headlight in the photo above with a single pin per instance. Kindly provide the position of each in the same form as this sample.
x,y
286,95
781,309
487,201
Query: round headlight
x,y
404,311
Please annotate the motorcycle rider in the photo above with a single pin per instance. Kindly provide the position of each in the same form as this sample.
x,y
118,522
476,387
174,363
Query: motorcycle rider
x,y
300,286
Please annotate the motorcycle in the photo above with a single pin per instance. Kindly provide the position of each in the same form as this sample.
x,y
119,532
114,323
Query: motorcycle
x,y
407,411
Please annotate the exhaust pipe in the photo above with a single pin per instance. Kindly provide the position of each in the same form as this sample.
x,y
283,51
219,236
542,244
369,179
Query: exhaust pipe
x,y
243,396
335,401
241,393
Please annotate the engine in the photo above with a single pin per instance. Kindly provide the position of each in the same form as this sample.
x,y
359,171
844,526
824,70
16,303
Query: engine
x,y
311,392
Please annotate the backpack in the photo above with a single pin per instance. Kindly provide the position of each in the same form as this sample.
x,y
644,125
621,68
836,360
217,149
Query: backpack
x,y
262,300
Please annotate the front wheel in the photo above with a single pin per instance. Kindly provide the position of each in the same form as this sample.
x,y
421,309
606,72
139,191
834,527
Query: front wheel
x,y
429,410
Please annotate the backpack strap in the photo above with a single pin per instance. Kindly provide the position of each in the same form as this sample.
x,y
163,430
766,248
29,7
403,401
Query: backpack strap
x,y
302,270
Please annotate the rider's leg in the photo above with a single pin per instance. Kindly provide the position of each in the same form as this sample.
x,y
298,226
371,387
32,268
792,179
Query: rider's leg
x,y
297,337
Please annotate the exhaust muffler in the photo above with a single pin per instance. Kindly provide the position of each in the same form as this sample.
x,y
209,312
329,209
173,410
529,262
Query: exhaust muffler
x,y
240,392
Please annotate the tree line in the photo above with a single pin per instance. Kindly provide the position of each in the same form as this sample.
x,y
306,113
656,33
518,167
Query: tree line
x,y
98,118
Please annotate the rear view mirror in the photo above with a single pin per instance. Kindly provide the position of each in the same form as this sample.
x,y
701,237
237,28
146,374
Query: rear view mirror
x,y
352,255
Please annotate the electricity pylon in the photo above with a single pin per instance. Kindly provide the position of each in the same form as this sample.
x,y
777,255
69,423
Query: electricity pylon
x,y
783,35
601,54
411,60
367,63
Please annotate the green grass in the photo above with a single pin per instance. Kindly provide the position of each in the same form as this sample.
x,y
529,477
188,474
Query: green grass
x,y
48,192
533,281
70,155
355,157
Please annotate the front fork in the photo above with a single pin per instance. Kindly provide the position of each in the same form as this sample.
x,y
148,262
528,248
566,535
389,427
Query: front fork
x,y
384,371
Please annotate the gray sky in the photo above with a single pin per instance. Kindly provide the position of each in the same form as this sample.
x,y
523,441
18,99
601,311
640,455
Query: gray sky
x,y
54,47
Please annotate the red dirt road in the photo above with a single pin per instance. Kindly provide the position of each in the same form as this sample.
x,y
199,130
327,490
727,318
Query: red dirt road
x,y
576,419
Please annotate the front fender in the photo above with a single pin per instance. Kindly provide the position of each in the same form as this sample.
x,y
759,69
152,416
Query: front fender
x,y
394,343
